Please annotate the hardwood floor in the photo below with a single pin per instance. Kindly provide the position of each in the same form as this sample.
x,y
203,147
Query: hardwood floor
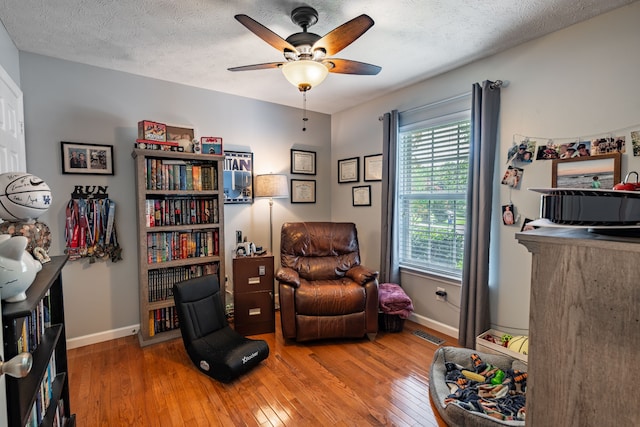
x,y
331,383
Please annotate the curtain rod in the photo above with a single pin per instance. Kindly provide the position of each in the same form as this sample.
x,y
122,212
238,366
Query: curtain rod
x,y
433,104
494,85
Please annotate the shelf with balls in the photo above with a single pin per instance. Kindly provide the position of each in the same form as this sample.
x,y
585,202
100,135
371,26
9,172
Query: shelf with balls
x,y
24,241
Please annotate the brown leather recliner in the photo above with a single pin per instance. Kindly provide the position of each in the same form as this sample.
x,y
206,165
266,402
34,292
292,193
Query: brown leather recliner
x,y
324,291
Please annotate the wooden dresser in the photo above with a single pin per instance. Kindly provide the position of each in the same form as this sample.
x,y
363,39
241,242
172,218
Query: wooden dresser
x,y
584,327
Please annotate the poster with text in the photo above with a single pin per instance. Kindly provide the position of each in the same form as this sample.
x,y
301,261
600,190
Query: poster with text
x,y
238,177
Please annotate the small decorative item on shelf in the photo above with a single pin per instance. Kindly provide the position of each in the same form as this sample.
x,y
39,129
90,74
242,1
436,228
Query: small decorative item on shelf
x,y
23,198
152,131
18,269
37,234
211,145
184,136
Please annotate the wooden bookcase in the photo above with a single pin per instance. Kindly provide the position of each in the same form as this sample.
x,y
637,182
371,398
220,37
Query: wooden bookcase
x,y
37,323
180,217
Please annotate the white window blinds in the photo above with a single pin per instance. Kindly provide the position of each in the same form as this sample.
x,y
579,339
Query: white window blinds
x,y
433,156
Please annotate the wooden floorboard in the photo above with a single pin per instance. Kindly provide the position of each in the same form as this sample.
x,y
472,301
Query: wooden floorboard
x,y
335,382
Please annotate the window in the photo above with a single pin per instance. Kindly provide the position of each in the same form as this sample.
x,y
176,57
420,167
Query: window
x,y
433,163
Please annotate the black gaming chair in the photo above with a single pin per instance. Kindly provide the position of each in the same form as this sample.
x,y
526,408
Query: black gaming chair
x,y
216,349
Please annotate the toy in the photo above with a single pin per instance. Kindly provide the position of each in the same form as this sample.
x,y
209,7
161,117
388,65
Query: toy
x,y
505,339
498,377
489,338
18,269
472,376
519,344
23,196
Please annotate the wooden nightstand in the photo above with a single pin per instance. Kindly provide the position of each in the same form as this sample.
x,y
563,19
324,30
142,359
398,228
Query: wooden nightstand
x,y
253,296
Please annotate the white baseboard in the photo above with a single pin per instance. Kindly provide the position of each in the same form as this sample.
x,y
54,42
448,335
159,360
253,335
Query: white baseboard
x,y
133,329
435,325
102,336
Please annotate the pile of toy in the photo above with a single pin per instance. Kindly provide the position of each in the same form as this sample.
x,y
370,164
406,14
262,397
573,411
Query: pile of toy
x,y
487,389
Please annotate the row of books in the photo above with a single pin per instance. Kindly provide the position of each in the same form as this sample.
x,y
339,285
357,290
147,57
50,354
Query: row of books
x,y
33,326
175,245
163,174
161,281
163,320
43,398
182,211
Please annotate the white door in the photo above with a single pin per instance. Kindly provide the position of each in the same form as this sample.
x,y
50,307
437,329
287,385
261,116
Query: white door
x,y
12,159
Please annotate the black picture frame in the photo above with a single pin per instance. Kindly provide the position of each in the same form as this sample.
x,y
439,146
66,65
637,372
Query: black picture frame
x,y
361,195
373,167
349,170
303,191
86,159
303,162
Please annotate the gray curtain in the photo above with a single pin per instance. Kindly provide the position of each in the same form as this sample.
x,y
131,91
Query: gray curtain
x,y
474,298
389,269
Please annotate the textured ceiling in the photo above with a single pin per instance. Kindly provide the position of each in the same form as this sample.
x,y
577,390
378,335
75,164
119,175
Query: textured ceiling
x,y
193,42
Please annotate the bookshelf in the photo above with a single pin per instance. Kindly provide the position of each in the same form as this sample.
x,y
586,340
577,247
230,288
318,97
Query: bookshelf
x,y
180,217
36,325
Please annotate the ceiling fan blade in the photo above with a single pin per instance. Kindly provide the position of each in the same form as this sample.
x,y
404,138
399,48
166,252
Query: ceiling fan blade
x,y
339,38
265,34
346,66
264,66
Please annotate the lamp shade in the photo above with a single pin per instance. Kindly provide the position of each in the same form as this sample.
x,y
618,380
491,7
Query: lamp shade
x,y
271,185
305,74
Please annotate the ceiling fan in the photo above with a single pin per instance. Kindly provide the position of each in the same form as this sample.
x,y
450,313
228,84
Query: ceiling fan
x,y
308,57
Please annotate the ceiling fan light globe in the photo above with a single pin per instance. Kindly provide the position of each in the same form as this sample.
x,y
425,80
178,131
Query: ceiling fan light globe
x,y
305,74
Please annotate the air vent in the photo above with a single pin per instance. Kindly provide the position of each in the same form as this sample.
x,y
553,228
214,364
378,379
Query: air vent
x,y
425,336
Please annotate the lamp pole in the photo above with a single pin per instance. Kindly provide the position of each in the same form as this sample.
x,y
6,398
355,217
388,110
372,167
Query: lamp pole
x,y
271,225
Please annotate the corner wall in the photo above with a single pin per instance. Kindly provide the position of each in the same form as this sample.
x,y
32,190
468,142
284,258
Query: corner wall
x,y
579,81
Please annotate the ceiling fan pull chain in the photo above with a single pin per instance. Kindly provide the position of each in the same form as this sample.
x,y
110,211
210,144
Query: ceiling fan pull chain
x,y
305,119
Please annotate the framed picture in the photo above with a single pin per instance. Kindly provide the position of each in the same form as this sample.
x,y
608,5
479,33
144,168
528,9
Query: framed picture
x,y
349,170
373,167
238,177
87,159
303,162
601,171
211,145
362,195
303,191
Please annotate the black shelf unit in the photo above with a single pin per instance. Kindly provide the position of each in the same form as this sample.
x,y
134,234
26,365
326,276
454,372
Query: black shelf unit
x,y
23,392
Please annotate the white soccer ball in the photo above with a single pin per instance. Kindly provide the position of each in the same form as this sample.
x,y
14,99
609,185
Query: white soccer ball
x,y
23,196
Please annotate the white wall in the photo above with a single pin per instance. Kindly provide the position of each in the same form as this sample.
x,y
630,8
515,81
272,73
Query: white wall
x,y
580,81
66,101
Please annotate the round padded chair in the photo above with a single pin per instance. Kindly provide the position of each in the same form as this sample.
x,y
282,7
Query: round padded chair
x,y
453,414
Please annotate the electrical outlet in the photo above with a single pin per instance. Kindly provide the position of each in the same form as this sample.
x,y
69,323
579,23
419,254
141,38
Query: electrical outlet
x,y
441,294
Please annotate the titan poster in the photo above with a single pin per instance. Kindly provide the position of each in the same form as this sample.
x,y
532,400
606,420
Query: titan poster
x,y
238,177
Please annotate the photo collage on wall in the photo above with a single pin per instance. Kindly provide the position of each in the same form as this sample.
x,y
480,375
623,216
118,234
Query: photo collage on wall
x,y
525,150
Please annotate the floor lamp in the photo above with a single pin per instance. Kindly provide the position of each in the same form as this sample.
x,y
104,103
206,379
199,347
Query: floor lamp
x,y
273,186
